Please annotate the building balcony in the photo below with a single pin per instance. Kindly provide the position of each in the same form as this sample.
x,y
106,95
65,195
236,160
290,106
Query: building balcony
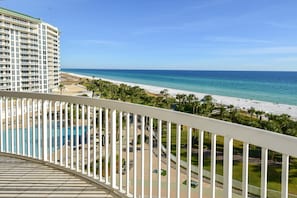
x,y
131,150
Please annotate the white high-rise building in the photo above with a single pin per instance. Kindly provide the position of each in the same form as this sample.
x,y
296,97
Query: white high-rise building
x,y
29,53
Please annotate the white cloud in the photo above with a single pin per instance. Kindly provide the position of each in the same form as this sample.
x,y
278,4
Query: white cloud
x,y
227,39
98,42
281,25
263,50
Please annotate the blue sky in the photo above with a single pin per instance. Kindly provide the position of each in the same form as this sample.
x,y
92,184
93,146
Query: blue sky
x,y
169,34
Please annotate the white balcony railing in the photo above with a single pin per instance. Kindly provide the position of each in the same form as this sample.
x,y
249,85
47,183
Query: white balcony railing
x,y
94,137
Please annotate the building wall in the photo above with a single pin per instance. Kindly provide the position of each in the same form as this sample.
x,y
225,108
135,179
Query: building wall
x,y
29,53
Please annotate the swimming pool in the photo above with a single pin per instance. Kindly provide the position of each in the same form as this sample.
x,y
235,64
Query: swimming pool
x,y
37,142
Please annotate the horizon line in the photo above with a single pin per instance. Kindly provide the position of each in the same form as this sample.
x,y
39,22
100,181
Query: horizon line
x,y
181,69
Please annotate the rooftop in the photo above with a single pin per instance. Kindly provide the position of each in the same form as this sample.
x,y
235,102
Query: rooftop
x,y
19,15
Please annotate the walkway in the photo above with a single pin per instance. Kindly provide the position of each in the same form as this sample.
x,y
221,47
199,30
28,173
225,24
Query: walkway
x,y
22,178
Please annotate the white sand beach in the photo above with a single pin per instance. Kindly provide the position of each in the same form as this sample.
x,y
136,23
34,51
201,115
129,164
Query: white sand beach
x,y
241,103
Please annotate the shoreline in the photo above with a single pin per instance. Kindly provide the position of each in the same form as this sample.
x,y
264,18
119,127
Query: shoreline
x,y
241,103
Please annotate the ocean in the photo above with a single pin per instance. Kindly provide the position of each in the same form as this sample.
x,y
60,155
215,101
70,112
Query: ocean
x,y
275,87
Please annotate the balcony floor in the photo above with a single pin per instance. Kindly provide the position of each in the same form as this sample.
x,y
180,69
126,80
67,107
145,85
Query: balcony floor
x,y
22,178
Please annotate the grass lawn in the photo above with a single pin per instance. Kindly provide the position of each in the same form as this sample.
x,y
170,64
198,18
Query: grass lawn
x,y
274,168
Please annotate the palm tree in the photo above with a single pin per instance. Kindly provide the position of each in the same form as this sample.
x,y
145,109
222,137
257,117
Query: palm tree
x,y
61,88
251,111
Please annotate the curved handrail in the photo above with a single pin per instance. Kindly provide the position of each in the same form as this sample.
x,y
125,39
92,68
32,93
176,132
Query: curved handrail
x,y
266,139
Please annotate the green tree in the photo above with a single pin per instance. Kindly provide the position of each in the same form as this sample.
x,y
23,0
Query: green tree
x,y
61,88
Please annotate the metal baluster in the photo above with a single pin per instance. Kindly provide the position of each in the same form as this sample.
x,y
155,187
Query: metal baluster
x,y
100,144
1,126
88,140
228,166
77,137
213,164
245,170
178,143
142,154
39,129
83,139
29,153
113,148
50,132
151,158
159,155
189,160
66,135
61,133
168,157
121,150
12,125
6,124
106,146
285,175
127,154
23,125
71,136
135,155
56,134
34,130
94,142
200,165
17,127
44,124
264,160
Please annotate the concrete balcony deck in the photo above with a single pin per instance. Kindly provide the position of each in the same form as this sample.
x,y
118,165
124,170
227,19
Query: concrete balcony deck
x,y
25,178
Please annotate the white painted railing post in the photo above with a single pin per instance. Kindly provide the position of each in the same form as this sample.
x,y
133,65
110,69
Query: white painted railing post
x,y
127,154
228,166
83,139
44,124
113,148
94,143
34,129
135,155
71,136
151,158
39,129
178,142
213,162
66,135
121,151
6,124
264,162
61,133
159,156
189,162
100,145
50,132
1,126
88,140
17,127
12,125
23,125
28,129
200,163
285,175
142,154
168,158
245,170
77,137
106,145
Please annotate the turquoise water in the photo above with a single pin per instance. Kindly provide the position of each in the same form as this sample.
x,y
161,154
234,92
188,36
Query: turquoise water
x,y
276,87
35,141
